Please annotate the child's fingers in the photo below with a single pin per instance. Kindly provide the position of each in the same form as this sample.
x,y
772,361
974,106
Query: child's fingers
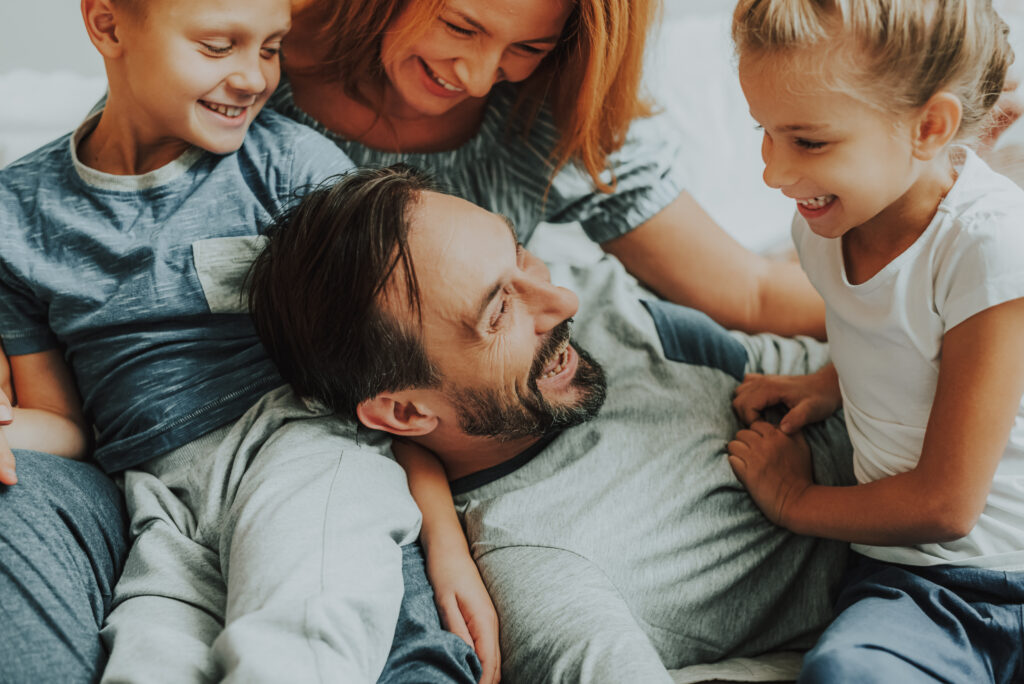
x,y
6,412
7,473
452,620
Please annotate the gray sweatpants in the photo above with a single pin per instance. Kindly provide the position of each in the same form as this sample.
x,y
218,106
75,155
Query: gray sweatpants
x,y
268,550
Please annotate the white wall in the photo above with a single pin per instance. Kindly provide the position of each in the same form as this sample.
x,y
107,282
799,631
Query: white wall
x,y
45,35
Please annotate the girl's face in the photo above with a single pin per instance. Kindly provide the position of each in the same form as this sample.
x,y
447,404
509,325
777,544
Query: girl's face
x,y
467,48
844,162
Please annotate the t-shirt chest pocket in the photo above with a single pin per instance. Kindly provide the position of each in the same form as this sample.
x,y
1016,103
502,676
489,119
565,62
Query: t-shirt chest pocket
x,y
222,265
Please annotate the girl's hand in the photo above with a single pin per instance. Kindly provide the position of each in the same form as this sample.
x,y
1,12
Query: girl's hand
x,y
809,398
773,466
465,606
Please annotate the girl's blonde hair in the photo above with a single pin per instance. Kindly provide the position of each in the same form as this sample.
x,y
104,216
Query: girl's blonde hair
x,y
903,51
597,64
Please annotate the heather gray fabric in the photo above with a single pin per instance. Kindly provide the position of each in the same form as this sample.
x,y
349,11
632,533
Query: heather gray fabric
x,y
627,546
267,552
508,172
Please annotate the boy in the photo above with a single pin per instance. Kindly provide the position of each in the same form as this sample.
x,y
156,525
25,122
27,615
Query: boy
x,y
267,546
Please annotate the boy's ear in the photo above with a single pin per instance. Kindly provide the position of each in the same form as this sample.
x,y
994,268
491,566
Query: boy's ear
x,y
101,25
937,124
398,413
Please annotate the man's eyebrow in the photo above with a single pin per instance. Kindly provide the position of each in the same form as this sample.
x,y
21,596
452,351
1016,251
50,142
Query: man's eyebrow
x,y
511,227
496,288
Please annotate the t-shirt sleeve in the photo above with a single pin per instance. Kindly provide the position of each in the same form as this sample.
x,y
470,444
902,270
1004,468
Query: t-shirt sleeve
x,y
23,318
648,177
315,158
24,321
987,268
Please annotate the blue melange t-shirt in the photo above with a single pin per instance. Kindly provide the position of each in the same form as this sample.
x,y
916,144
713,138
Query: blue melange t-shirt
x,y
136,278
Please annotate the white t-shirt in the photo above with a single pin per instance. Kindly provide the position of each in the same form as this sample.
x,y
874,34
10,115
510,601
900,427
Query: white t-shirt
x,y
885,337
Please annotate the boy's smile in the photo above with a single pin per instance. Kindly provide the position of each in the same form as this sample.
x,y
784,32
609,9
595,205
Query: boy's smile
x,y
185,73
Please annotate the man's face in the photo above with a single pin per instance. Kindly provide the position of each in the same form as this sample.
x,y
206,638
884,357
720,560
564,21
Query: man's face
x,y
495,326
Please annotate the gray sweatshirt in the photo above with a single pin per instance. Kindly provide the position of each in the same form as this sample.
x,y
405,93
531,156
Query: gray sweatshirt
x,y
626,545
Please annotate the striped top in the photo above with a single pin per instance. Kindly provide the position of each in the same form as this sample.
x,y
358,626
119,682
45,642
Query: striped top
x,y
506,172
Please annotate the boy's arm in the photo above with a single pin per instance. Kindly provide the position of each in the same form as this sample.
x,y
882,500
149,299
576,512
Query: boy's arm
x,y
48,414
462,600
978,395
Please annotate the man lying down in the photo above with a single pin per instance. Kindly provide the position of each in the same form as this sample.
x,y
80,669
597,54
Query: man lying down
x,y
595,490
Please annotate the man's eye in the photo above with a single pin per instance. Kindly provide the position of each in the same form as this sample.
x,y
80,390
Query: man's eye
x,y
499,314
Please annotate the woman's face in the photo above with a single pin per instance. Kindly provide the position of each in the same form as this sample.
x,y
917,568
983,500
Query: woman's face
x,y
468,47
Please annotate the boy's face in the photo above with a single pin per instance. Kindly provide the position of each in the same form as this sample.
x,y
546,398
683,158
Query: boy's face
x,y
199,71
845,163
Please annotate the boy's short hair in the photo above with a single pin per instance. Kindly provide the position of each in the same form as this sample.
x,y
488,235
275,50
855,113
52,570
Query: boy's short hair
x,y
315,291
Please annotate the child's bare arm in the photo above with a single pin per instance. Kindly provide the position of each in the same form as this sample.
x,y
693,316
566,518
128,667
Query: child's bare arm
x,y
462,600
48,414
981,381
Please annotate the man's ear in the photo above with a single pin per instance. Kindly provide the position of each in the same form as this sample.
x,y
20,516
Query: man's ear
x,y
937,123
101,24
398,413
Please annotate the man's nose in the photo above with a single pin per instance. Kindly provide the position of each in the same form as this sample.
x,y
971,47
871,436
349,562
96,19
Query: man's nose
x,y
478,71
248,76
551,305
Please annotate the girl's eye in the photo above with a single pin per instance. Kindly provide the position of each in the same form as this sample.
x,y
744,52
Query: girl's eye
x,y
810,144
270,52
216,49
459,30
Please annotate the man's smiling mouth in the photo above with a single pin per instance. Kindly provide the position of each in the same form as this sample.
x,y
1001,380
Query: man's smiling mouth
x,y
557,365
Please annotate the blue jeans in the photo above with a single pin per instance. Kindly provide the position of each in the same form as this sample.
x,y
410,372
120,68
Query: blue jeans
x,y
62,544
422,652
899,623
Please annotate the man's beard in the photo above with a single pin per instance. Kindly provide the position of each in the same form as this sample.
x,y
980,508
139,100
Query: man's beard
x,y
489,413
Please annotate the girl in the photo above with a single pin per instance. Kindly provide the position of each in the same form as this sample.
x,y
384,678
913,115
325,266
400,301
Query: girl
x,y
916,247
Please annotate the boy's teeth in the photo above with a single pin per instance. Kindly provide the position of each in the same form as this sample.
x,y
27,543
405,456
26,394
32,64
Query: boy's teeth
x,y
224,109
816,202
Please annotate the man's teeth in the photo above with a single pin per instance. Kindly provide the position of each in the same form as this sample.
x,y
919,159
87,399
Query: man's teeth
x,y
224,109
561,359
816,202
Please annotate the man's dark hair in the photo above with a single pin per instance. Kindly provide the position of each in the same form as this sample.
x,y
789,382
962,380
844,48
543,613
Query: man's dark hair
x,y
314,291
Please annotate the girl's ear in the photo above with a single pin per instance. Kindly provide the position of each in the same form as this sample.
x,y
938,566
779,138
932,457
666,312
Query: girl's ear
x,y
399,413
101,24
937,124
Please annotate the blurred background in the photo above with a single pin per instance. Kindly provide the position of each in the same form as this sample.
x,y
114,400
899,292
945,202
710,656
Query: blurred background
x,y
50,76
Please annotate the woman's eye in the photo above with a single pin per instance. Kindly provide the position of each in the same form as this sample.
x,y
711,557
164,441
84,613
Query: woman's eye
x,y
531,50
216,49
455,28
